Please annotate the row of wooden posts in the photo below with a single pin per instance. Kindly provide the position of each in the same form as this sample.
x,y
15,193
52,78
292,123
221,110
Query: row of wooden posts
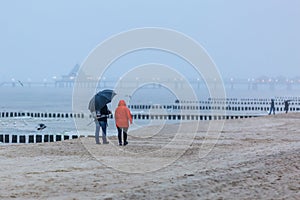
x,y
236,112
34,138
41,115
135,116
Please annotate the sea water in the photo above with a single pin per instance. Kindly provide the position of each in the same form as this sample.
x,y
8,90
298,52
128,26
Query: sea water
x,y
51,99
57,100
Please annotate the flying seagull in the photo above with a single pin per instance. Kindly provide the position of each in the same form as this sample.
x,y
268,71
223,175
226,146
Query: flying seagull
x,y
20,83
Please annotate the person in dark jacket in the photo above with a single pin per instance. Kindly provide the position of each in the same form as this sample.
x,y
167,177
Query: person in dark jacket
x,y
101,121
272,108
286,106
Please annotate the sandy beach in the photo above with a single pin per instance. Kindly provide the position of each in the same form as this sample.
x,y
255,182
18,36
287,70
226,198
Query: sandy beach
x,y
257,158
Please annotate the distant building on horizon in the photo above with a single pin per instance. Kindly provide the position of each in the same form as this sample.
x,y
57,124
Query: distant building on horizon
x,y
72,74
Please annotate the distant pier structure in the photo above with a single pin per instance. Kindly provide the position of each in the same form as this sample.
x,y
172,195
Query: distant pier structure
x,y
244,84
259,83
69,79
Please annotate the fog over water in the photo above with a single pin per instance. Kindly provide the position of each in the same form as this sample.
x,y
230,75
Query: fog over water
x,y
41,40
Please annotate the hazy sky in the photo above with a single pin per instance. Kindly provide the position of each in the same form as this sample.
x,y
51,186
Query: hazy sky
x,y
246,38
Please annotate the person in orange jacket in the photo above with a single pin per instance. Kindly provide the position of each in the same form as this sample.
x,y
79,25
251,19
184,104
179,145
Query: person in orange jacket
x,y
122,118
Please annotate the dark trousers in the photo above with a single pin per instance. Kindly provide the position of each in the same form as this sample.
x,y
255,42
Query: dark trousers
x,y
286,109
120,130
272,109
103,126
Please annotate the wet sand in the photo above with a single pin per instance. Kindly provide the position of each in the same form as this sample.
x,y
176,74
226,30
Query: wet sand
x,y
257,158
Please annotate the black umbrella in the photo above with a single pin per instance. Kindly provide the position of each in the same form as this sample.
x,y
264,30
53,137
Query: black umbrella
x,y
101,99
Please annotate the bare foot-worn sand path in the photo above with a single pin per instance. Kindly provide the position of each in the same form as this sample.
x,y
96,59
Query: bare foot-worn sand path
x,y
256,158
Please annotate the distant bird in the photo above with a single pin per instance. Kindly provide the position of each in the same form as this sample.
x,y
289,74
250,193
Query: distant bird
x,y
21,83
41,127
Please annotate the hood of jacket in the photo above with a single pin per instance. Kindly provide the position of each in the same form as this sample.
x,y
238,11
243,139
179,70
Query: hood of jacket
x,y
122,103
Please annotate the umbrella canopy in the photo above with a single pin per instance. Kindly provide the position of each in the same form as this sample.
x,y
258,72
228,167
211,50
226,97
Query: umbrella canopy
x,y
101,99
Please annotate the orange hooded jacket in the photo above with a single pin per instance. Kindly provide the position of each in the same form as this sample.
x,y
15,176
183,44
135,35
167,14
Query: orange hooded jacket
x,y
122,115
